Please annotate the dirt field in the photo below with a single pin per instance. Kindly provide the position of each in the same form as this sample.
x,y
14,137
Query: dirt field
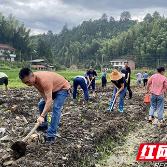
x,y
84,132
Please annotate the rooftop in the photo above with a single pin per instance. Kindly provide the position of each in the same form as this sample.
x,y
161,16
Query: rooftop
x,y
119,60
37,60
4,46
38,66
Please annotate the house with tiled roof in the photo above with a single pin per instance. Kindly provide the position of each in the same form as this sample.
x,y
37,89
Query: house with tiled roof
x,y
40,64
7,52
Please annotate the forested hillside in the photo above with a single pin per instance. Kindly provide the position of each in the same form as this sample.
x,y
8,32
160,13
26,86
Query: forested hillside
x,y
14,33
84,45
87,43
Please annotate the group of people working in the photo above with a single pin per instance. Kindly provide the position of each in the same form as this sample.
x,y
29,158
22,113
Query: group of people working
x,y
53,88
85,82
139,78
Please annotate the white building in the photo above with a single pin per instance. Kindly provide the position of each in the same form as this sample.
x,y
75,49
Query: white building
x,y
7,49
121,63
118,62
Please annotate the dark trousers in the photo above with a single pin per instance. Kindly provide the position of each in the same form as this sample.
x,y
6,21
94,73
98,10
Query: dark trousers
x,y
80,81
145,82
104,81
130,92
92,84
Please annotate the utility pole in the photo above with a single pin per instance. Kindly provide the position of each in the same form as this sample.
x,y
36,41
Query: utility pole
x,y
20,55
158,63
31,61
102,63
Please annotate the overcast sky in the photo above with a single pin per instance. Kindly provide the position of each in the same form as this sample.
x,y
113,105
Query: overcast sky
x,y
43,15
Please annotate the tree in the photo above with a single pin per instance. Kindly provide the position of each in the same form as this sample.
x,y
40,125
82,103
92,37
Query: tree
x,y
44,51
148,18
98,65
104,17
65,29
125,16
112,19
7,55
156,15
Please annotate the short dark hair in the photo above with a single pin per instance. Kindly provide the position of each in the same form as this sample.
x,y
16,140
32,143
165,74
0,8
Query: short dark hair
x,y
160,69
24,72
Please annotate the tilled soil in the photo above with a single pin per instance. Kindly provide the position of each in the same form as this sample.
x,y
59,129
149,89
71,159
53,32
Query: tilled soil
x,y
82,130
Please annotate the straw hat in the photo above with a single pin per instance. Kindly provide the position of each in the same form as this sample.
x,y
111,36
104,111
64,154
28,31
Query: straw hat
x,y
115,75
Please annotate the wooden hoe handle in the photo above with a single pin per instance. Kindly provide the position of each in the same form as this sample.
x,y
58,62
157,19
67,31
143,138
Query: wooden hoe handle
x,y
31,132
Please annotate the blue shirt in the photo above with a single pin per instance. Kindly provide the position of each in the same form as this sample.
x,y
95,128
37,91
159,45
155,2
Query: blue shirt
x,y
123,72
145,76
139,76
104,74
85,74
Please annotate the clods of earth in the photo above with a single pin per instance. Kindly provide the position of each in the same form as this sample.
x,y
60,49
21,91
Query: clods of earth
x,y
87,135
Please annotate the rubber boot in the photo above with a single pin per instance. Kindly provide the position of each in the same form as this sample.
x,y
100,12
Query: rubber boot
x,y
121,108
110,107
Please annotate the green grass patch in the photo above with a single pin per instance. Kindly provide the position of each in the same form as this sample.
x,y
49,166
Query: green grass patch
x,y
13,76
14,81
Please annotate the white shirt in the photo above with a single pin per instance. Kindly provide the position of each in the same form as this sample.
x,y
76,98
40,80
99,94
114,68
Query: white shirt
x,y
2,74
80,76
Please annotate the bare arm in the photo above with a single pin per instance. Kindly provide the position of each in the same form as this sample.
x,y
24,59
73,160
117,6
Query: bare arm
x,y
122,87
6,88
47,104
43,96
128,77
148,87
88,78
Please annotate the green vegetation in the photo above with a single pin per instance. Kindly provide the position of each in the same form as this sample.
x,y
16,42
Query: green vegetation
x,y
18,36
69,74
49,118
83,120
105,150
93,42
8,111
14,80
87,43
78,95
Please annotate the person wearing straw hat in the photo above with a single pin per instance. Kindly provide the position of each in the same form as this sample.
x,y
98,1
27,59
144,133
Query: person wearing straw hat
x,y
120,88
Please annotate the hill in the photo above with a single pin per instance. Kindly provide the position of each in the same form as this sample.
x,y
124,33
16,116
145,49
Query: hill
x,y
91,41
